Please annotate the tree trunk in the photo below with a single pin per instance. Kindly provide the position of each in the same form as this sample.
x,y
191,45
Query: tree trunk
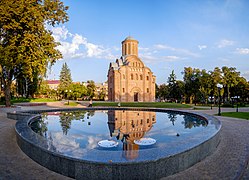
x,y
228,93
7,94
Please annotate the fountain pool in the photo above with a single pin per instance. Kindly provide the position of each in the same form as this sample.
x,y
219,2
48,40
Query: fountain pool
x,y
118,143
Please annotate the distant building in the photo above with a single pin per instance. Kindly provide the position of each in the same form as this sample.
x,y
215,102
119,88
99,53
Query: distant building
x,y
102,88
53,84
129,80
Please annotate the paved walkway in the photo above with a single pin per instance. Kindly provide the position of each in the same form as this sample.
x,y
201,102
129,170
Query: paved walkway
x,y
229,161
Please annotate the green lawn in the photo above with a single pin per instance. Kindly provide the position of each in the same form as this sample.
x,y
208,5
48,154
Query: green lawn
x,y
21,100
71,103
242,115
143,104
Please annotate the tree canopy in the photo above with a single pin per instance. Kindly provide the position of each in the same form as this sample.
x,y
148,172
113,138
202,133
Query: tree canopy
x,y
27,47
65,77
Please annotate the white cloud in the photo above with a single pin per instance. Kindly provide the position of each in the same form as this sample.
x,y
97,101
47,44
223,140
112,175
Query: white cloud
x,y
162,46
77,46
224,43
242,51
60,33
171,58
202,47
246,75
179,51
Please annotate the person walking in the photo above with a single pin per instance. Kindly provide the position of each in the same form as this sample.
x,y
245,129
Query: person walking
x,y
90,103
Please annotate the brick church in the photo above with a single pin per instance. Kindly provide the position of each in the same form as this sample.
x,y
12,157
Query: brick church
x,y
129,80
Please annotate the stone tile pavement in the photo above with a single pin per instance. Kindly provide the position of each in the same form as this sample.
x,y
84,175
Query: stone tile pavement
x,y
229,161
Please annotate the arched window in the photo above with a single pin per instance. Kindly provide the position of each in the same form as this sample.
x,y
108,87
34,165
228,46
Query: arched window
x,y
123,76
147,78
123,90
131,76
136,77
148,90
141,77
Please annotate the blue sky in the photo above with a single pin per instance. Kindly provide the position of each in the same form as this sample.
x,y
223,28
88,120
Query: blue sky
x,y
172,34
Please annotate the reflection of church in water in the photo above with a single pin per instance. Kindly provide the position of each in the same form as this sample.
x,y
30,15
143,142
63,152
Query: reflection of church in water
x,y
128,126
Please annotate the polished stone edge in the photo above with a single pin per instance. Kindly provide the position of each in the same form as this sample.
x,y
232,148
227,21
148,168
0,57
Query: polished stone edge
x,y
36,147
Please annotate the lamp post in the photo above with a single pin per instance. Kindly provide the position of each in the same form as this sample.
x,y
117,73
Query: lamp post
x,y
237,98
67,95
211,102
219,86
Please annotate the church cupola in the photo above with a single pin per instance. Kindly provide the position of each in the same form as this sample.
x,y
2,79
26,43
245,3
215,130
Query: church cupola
x,y
130,46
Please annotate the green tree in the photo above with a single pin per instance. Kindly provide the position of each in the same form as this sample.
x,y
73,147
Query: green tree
x,y
43,88
77,90
91,88
26,45
176,87
172,85
65,79
192,83
215,78
163,91
205,86
230,77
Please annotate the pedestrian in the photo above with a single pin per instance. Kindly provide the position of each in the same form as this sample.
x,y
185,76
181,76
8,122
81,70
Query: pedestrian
x,y
90,103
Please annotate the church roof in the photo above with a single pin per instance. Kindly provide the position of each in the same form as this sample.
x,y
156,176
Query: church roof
x,y
130,38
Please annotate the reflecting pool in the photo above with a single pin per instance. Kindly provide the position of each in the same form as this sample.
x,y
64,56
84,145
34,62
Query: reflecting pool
x,y
124,134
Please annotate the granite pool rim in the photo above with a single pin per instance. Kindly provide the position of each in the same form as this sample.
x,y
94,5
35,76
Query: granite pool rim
x,y
34,146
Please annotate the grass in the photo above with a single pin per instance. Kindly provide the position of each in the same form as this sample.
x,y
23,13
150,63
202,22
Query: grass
x,y
71,103
202,108
23,100
241,115
143,104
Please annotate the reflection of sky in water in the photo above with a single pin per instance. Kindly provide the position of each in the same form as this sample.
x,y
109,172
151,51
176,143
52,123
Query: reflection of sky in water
x,y
84,134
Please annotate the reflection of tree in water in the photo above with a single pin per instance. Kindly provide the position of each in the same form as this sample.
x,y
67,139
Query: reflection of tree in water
x,y
191,121
67,117
172,117
40,127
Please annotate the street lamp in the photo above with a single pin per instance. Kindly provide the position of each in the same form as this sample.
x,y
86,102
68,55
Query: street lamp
x,y
211,97
219,86
67,95
237,98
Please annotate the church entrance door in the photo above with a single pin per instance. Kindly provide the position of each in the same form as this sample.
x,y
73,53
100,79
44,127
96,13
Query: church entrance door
x,y
135,96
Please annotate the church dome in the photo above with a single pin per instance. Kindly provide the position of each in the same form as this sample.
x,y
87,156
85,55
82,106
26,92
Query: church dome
x,y
129,38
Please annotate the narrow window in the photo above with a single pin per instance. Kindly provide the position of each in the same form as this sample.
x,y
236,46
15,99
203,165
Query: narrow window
x,y
136,77
141,77
148,90
147,78
123,90
123,76
131,76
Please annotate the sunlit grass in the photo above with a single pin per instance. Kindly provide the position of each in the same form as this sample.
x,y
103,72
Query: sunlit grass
x,y
143,104
71,103
241,115
23,100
